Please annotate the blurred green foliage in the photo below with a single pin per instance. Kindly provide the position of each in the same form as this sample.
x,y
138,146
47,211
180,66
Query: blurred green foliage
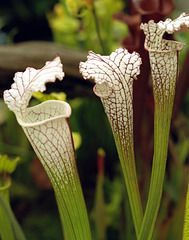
x,y
8,165
88,24
42,97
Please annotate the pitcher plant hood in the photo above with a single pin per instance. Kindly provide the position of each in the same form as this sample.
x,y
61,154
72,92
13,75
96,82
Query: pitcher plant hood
x,y
164,54
114,77
45,124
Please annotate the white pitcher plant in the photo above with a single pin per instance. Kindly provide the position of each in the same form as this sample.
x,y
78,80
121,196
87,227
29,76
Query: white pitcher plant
x,y
47,128
114,76
164,56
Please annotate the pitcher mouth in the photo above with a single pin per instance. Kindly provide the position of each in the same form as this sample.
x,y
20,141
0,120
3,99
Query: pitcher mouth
x,y
52,110
173,45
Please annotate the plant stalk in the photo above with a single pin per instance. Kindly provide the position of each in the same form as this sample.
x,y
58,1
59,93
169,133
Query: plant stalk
x,y
98,30
127,161
73,215
162,120
186,218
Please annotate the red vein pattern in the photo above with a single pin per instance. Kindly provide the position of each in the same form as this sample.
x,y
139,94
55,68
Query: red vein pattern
x,y
114,77
50,136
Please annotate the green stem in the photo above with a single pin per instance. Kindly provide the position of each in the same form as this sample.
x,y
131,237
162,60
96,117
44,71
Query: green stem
x,y
71,205
98,30
186,219
162,121
99,207
127,160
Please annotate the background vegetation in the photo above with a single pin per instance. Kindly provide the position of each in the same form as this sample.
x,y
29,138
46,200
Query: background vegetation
x,y
101,27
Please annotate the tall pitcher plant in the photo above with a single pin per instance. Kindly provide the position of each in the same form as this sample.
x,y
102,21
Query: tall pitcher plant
x,y
163,56
46,125
114,76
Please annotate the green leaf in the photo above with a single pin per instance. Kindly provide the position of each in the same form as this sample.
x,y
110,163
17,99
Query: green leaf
x,y
9,227
7,165
77,139
42,97
6,232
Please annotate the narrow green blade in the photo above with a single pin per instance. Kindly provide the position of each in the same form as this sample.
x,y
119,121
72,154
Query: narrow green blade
x,y
9,220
